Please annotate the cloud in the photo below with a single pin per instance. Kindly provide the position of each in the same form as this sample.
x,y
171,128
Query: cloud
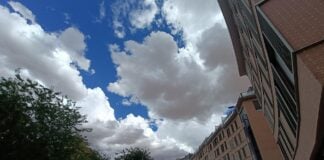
x,y
72,41
191,16
180,130
171,84
189,87
54,59
141,18
67,18
102,10
185,89
119,29
22,10
49,57
133,131
126,102
140,15
96,106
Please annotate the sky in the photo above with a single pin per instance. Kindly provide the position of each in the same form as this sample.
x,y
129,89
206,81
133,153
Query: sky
x,y
156,74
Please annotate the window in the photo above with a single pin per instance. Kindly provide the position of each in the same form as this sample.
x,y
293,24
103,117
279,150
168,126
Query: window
x,y
244,152
232,144
284,143
290,116
236,143
227,156
284,135
215,141
267,101
235,123
240,138
278,45
257,49
280,76
239,153
283,150
222,148
269,116
265,75
225,144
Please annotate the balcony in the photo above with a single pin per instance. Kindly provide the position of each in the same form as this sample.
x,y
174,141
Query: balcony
x,y
248,93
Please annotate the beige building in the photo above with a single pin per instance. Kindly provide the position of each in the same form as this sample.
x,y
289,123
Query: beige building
x,y
240,135
279,45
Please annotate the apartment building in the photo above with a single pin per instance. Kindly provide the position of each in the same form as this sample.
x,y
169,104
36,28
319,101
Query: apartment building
x,y
241,135
279,45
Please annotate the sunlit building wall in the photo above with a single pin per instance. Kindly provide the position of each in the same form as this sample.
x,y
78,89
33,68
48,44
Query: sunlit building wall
x,y
241,134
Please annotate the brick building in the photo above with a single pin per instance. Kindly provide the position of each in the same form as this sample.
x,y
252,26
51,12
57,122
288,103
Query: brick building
x,y
241,135
279,45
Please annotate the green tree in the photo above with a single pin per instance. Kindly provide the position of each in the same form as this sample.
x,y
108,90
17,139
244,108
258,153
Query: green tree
x,y
38,123
134,154
84,152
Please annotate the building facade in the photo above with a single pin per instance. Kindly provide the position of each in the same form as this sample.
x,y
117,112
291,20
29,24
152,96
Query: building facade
x,y
279,45
240,135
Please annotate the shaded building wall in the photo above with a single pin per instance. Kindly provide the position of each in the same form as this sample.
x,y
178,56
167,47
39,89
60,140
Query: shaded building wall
x,y
262,133
288,72
310,66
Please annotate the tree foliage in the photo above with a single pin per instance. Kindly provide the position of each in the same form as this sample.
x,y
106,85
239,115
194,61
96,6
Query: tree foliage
x,y
134,154
38,123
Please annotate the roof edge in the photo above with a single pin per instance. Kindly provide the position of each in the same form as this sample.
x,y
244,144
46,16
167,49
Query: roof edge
x,y
234,34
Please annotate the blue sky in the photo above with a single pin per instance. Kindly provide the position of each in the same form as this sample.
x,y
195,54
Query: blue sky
x,y
152,73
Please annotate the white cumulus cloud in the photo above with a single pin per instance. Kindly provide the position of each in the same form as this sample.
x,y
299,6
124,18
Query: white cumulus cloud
x,y
140,14
54,59
189,87
21,9
171,85
49,57
191,16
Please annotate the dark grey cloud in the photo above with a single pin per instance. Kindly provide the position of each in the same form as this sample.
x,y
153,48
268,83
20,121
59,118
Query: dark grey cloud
x,y
216,50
